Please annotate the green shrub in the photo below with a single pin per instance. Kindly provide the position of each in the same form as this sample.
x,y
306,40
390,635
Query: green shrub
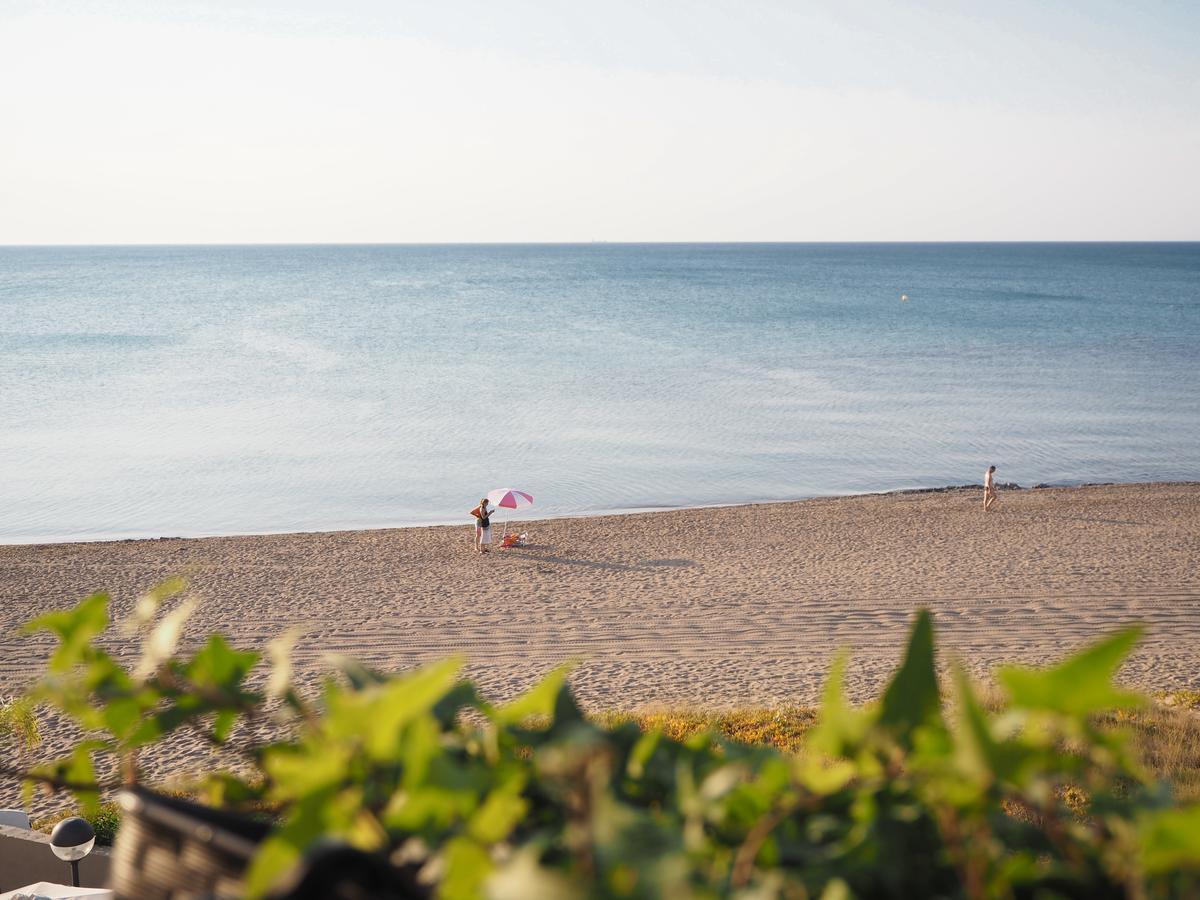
x,y
907,797
18,723
105,819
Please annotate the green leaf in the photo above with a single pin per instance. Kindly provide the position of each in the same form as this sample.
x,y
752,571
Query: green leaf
x,y
223,789
403,701
121,715
103,675
836,889
463,695
500,812
75,629
978,751
217,665
1170,840
537,701
841,728
299,772
429,809
642,751
1081,685
275,857
467,865
78,770
912,699
156,726
825,778
223,724
421,744
566,710
81,770
359,676
376,715
320,814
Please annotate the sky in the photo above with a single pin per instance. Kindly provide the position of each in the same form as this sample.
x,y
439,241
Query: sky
x,y
373,121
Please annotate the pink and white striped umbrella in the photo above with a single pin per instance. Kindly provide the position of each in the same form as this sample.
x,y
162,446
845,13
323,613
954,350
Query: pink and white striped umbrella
x,y
507,498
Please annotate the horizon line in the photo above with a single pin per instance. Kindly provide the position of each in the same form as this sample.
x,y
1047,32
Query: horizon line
x,y
587,243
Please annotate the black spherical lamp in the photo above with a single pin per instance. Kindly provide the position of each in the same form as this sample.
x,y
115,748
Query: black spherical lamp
x,y
72,839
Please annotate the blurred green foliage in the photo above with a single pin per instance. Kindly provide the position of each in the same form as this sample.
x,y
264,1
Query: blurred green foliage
x,y
914,796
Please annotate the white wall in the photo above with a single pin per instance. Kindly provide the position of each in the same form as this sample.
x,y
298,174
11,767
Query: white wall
x,y
26,858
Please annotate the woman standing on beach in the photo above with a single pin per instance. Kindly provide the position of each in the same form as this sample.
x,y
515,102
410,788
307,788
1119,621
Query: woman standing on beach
x,y
483,525
989,488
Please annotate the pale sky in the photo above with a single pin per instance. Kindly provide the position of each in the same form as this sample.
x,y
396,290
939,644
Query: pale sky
x,y
366,120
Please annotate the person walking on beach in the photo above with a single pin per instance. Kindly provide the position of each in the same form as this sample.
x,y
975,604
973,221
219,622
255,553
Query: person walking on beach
x,y
483,526
989,488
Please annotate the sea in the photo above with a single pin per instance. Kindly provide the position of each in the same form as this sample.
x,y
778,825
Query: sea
x,y
154,391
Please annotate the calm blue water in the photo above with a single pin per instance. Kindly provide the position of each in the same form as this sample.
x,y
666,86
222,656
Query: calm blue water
x,y
201,390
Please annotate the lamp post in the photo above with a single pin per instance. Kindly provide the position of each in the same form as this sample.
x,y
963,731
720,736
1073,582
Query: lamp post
x,y
72,839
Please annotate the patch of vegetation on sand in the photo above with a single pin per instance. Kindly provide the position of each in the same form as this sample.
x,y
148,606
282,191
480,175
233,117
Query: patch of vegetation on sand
x,y
1164,735
783,729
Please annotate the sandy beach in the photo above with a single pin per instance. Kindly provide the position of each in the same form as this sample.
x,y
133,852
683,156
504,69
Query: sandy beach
x,y
716,607
732,606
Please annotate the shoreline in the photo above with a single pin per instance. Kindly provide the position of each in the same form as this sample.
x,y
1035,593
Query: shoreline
x,y
42,541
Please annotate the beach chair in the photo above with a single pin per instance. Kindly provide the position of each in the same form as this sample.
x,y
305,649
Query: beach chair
x,y
17,818
513,540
